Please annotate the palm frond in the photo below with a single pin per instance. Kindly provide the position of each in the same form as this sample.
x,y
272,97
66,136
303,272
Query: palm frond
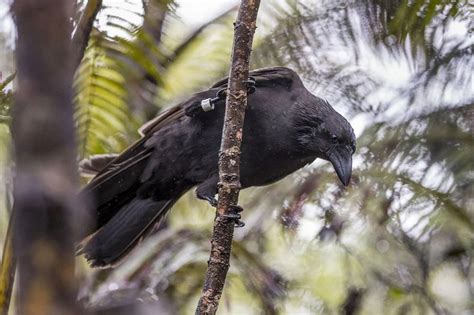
x,y
102,116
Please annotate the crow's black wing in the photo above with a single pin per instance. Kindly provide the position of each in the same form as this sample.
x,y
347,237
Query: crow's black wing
x,y
116,183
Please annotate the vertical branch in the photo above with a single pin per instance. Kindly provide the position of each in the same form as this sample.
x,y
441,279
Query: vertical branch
x,y
229,157
83,30
46,180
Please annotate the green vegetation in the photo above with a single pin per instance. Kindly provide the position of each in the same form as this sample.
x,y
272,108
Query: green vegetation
x,y
399,240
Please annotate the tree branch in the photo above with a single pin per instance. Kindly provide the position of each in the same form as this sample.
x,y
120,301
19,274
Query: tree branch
x,y
229,157
83,30
153,22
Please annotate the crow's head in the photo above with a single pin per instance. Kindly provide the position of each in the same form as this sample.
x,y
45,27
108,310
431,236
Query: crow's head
x,y
324,133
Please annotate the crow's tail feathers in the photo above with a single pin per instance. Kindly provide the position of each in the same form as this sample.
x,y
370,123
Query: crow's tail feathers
x,y
118,236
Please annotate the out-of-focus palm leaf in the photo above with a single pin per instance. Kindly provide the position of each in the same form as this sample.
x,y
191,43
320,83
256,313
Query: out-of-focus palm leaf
x,y
102,117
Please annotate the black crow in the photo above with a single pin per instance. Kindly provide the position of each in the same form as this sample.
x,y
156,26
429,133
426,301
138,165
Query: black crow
x,y
286,127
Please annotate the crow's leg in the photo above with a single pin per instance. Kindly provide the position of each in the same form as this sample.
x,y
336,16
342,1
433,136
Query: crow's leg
x,y
207,190
250,83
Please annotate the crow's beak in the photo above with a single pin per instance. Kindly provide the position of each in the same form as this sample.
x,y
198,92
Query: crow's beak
x,y
341,159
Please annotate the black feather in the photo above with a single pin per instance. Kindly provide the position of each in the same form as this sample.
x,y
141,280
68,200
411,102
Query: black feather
x,y
123,231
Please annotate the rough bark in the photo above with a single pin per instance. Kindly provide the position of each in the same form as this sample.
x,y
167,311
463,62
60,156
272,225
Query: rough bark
x,y
229,157
45,184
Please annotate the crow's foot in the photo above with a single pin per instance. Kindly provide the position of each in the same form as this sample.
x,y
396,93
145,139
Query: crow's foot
x,y
234,215
250,83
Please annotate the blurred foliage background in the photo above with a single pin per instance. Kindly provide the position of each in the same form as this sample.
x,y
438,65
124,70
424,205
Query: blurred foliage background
x,y
399,240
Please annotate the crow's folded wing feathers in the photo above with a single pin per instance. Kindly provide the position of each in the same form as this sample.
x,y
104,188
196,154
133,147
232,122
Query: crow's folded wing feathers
x,y
137,151
116,183
264,77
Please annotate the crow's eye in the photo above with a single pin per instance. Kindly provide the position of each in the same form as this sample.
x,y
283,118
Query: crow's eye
x,y
334,139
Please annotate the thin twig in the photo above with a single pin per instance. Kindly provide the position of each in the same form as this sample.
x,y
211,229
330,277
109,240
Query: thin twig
x,y
229,158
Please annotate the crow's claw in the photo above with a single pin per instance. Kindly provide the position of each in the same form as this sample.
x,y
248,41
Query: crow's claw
x,y
236,208
250,83
233,208
234,215
235,218
239,224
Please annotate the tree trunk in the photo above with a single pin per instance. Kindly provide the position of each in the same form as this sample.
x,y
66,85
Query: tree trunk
x,y
229,157
45,185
